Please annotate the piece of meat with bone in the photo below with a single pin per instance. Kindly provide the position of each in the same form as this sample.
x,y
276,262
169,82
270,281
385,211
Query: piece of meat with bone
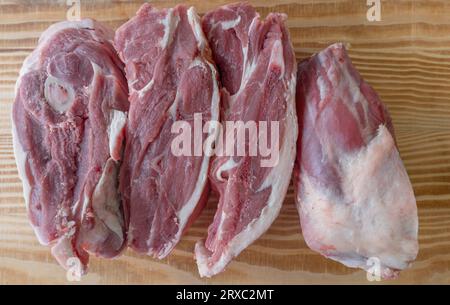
x,y
68,120
354,197
171,79
257,66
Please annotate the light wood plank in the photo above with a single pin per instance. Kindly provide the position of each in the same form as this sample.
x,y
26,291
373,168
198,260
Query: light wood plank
x,y
405,57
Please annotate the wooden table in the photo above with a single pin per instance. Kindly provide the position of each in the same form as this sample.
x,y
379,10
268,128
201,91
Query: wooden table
x,y
405,56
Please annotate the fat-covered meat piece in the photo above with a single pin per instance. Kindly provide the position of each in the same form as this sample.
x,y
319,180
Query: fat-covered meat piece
x,y
353,194
257,67
171,78
68,125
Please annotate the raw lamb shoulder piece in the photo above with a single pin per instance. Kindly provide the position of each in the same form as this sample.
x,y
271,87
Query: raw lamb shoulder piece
x,y
354,196
257,66
68,125
171,78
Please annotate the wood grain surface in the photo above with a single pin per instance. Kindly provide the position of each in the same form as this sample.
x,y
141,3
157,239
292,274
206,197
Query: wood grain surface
x,y
405,57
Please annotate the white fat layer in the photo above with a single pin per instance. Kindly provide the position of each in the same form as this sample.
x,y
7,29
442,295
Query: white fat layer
x,y
115,129
279,185
85,203
97,70
226,166
194,22
219,236
170,23
147,87
196,63
249,64
187,209
247,71
58,105
226,25
172,111
322,87
106,199
377,221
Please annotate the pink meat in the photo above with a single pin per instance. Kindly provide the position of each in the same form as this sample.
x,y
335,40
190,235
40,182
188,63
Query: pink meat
x,y
354,196
68,124
257,67
171,78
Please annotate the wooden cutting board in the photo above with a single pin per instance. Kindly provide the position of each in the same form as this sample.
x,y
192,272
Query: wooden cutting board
x,y
405,57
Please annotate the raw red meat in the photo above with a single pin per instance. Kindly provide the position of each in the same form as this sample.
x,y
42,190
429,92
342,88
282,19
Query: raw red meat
x,y
171,78
257,66
353,194
68,121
